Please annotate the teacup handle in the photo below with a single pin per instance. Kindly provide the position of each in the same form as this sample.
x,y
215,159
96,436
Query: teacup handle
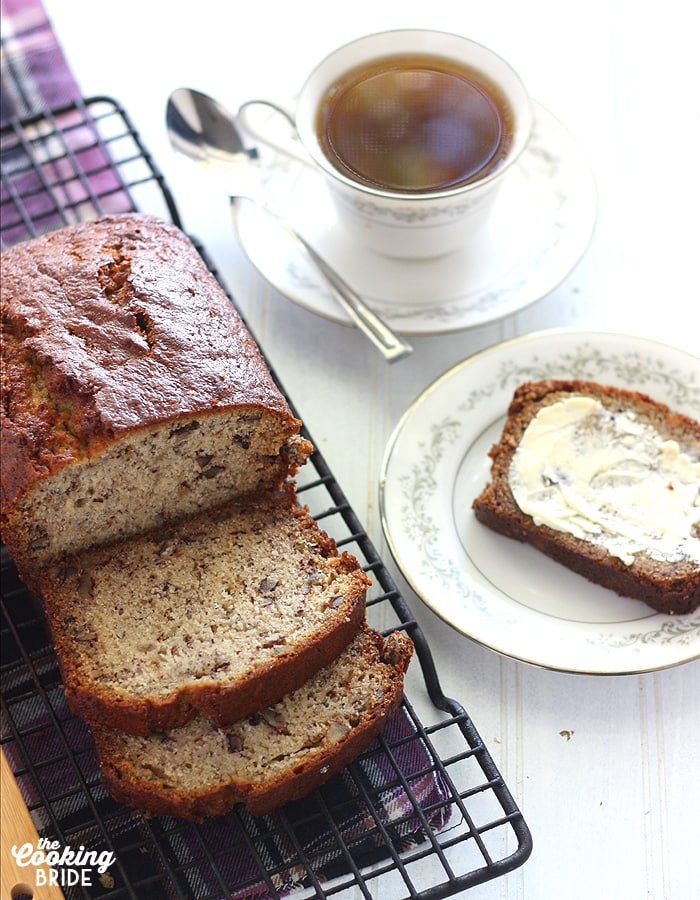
x,y
290,145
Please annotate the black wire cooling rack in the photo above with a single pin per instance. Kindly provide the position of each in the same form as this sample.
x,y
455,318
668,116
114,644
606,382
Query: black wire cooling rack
x,y
424,812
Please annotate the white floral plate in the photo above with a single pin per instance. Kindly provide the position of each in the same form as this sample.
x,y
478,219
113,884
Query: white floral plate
x,y
539,230
503,594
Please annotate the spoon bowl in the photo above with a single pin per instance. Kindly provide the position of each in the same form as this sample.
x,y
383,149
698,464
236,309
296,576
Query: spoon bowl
x,y
201,128
205,131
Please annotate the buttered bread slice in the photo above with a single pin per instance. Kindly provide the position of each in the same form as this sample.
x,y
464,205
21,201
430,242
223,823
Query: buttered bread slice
x,y
222,613
605,481
276,755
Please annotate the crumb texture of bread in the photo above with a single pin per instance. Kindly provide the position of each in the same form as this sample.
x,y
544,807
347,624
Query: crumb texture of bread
x,y
222,613
132,392
669,585
276,755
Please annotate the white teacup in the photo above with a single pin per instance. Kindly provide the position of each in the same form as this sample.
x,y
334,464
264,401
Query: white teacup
x,y
411,220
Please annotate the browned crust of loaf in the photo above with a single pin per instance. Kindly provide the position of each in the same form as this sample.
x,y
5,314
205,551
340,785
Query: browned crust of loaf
x,y
223,703
675,592
121,325
395,650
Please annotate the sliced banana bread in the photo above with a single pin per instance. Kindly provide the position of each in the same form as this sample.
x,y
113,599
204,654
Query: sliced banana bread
x,y
605,481
276,755
132,392
223,613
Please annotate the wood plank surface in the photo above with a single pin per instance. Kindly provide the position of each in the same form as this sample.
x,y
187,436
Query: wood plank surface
x,y
17,829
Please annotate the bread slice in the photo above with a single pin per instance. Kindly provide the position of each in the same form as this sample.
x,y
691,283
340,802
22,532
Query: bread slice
x,y
222,613
132,392
278,754
667,583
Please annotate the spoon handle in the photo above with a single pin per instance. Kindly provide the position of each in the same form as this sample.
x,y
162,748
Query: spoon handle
x,y
391,345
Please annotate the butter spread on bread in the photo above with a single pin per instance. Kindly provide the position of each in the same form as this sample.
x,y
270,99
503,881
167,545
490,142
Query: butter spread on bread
x,y
605,484
608,477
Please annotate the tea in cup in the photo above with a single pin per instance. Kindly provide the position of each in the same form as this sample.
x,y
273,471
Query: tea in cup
x,y
414,132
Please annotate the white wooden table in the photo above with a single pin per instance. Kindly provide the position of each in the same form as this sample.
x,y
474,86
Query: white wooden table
x,y
606,769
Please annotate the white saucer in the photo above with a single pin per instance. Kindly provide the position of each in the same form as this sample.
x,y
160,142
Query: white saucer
x,y
538,231
503,594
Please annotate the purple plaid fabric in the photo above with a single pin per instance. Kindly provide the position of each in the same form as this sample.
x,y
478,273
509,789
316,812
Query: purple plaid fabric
x,y
35,75
40,191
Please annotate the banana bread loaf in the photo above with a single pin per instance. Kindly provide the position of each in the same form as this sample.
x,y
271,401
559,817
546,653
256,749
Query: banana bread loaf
x,y
605,481
223,613
279,754
132,392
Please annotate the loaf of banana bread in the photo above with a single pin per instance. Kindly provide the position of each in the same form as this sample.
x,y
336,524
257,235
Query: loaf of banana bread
x,y
210,633
278,754
607,482
132,392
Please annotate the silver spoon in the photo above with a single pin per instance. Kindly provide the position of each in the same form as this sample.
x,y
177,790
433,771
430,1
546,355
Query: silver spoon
x,y
205,131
